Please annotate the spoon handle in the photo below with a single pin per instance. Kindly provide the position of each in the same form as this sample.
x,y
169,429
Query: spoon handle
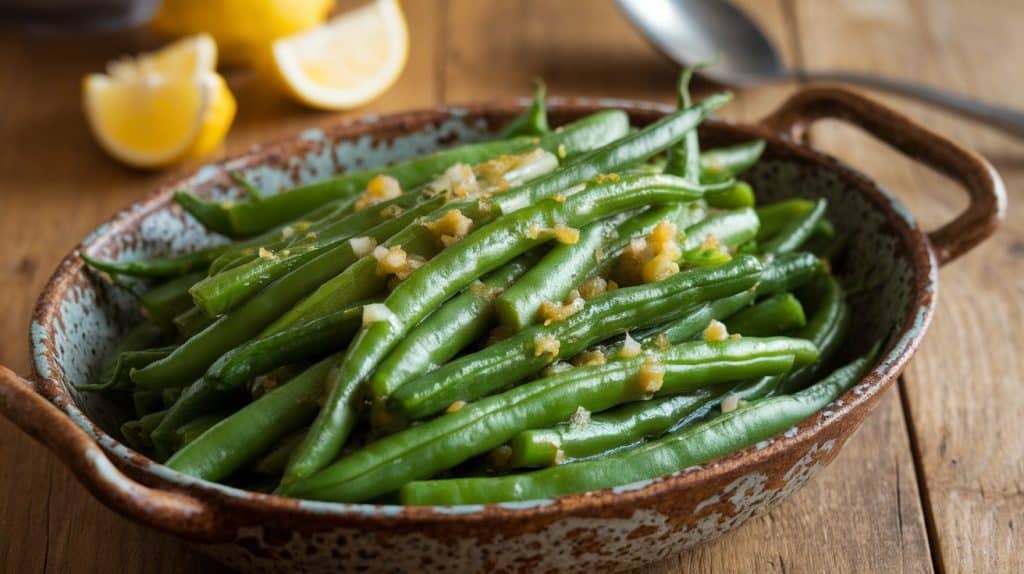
x,y
1008,120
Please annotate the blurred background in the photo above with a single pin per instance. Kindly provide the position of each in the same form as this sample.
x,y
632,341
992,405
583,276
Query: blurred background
x,y
923,487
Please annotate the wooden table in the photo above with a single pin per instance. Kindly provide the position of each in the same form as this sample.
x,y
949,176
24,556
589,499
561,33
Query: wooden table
x,y
934,481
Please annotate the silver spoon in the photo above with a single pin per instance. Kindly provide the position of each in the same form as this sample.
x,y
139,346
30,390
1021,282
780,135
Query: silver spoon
x,y
689,31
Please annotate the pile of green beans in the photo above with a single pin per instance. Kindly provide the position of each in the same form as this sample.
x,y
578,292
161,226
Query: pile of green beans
x,y
548,312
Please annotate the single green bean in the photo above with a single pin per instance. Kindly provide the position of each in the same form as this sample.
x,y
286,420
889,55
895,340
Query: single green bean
x,y
164,267
302,343
726,163
684,157
695,445
797,231
250,431
167,300
611,313
788,271
772,316
439,444
533,121
192,321
739,195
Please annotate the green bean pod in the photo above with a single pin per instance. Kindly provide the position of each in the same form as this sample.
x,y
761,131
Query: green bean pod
x,y
797,231
534,119
772,316
826,329
730,229
454,268
253,429
439,444
194,320
788,271
611,313
164,267
684,158
167,300
735,197
305,342
460,321
726,163
614,429
692,446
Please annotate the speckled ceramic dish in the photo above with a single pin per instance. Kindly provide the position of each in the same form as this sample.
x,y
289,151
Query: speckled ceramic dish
x,y
79,316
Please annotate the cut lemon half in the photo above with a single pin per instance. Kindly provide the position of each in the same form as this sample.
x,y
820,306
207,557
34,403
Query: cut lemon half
x,y
158,109
347,61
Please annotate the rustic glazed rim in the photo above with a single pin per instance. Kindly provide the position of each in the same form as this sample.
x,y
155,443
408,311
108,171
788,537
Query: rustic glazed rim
x,y
207,511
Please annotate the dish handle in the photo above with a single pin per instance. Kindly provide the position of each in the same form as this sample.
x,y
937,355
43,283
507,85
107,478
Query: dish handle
x,y
179,513
984,187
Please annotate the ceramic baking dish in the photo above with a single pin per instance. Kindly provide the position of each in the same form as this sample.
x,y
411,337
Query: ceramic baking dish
x,y
79,316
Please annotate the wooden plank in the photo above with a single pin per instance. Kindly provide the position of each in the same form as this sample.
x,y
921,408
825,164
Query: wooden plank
x,y
962,391
56,186
865,509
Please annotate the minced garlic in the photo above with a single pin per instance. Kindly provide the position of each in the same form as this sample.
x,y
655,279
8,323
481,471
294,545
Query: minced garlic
x,y
559,457
362,246
450,227
731,402
715,331
546,344
580,418
455,407
630,348
265,253
662,342
606,178
391,212
392,261
376,312
287,232
589,358
551,312
651,377
659,267
555,368
593,286
312,235
566,235
380,189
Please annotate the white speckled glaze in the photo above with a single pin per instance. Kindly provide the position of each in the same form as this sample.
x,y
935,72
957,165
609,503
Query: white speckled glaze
x,y
81,315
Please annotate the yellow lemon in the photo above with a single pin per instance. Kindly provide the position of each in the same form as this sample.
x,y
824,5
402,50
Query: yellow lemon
x,y
348,61
244,29
161,108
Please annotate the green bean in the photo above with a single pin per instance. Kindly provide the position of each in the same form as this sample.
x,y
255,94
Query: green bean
x,y
136,433
775,216
730,228
460,321
606,432
251,218
302,343
739,195
192,321
797,231
442,443
772,316
726,163
166,301
688,322
361,281
826,329
273,462
190,431
788,271
561,270
606,315
533,121
695,445
164,267
189,361
483,250
251,430
115,374
684,157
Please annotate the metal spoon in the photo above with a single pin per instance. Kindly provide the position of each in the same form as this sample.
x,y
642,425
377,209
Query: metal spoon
x,y
715,30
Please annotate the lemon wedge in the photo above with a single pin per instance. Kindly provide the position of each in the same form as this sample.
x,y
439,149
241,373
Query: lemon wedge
x,y
161,108
347,61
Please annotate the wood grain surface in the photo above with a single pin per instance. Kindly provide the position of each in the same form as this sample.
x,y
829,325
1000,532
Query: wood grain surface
x,y
933,482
